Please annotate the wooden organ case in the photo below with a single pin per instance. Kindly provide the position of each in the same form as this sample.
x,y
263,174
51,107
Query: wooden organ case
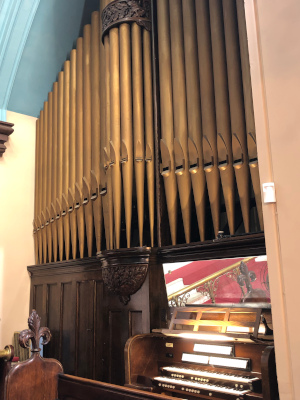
x,y
145,150
214,360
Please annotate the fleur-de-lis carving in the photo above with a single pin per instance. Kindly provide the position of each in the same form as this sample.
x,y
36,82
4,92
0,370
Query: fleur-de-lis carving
x,y
34,333
246,277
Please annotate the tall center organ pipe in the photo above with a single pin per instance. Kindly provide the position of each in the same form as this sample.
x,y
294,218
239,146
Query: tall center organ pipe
x,y
44,122
79,145
225,162
96,128
65,161
126,124
166,143
210,153
249,112
72,154
194,112
239,144
87,141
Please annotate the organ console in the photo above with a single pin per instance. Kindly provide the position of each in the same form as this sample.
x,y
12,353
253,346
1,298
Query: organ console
x,y
208,353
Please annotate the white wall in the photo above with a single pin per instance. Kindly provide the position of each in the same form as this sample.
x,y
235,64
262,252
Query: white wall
x,y
16,242
273,33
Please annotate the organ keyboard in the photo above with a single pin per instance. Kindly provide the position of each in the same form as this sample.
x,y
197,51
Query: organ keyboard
x,y
210,364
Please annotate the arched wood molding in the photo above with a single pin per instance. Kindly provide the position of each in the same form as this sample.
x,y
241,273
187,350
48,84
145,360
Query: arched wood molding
x,y
5,130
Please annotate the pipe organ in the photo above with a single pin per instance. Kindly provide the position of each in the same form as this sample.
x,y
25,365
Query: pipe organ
x,y
112,142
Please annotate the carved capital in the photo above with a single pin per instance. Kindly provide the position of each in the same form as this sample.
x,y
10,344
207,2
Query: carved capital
x,y
124,271
126,11
5,131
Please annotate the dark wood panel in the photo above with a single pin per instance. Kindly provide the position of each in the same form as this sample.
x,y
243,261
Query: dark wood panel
x,y
68,318
98,333
53,320
135,322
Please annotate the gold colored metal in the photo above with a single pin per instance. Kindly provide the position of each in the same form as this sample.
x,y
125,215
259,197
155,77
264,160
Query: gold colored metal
x,y
238,129
79,145
166,108
95,126
65,160
210,154
138,123
108,210
195,158
54,173
249,112
87,142
225,162
208,278
180,116
126,124
149,130
7,353
72,154
37,226
49,175
59,172
115,142
44,122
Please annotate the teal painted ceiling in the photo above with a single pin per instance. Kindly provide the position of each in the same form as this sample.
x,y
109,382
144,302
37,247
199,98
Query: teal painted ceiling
x,y
36,37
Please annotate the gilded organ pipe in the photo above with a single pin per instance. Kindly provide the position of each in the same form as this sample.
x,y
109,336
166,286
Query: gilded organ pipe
x,y
72,154
195,157
59,171
53,221
65,161
225,162
87,141
79,146
149,130
126,124
166,110
238,129
180,115
49,175
249,112
96,128
45,186
210,153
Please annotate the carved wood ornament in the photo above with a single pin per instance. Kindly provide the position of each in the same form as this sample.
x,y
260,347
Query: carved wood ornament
x,y
124,271
120,11
34,333
5,131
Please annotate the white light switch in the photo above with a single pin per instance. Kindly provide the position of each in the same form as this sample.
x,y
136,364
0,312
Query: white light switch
x,y
269,192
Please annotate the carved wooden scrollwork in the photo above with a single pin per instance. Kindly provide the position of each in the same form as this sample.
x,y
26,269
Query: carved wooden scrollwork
x,y
124,272
120,11
34,333
5,131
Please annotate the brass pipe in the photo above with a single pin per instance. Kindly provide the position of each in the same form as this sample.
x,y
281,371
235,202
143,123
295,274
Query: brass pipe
x,y
180,115
87,142
238,129
126,123
44,174
138,123
7,353
65,160
95,127
37,225
72,154
249,112
210,154
194,112
49,175
59,174
208,278
149,130
108,210
105,170
225,162
53,174
166,109
115,130
79,145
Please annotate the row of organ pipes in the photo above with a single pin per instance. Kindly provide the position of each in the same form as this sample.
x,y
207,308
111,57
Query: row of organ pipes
x,y
95,135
